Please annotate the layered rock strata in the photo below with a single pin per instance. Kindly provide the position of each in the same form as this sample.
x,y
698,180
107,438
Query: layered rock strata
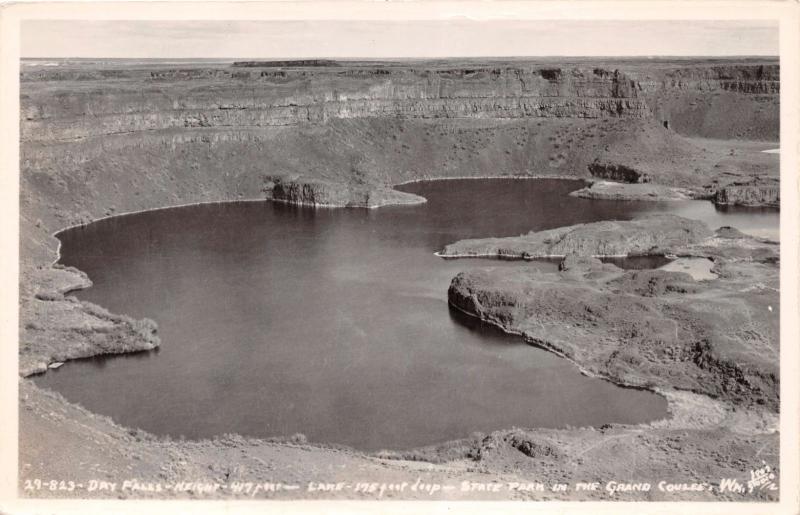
x,y
750,193
320,193
273,94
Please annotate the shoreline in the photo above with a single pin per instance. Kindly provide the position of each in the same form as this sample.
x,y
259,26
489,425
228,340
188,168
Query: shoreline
x,y
564,177
336,206
138,212
672,395
522,257
543,345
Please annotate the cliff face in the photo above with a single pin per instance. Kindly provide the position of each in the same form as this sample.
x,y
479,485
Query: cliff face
x,y
755,193
227,98
720,101
319,193
618,173
69,104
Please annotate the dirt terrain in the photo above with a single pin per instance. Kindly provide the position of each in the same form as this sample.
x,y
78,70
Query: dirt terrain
x,y
101,138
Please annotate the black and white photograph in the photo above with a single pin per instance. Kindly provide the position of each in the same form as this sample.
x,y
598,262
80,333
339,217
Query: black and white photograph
x,y
509,257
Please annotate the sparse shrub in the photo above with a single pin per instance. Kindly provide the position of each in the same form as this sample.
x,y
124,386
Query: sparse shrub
x,y
299,439
48,296
145,328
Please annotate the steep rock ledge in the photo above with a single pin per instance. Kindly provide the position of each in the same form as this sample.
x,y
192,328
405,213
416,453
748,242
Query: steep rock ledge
x,y
617,172
757,192
320,193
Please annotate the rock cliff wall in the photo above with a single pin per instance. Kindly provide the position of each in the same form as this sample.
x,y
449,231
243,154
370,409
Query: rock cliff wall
x,y
319,193
70,104
754,193
617,173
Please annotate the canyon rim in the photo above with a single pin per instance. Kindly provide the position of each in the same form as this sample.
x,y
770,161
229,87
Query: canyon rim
x,y
321,275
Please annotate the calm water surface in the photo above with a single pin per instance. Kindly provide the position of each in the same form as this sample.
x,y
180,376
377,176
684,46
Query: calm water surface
x,y
334,323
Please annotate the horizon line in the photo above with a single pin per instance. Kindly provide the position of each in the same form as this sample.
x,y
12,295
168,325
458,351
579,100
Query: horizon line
x,y
429,58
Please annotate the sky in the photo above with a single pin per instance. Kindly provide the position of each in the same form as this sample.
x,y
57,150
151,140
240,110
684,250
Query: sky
x,y
382,39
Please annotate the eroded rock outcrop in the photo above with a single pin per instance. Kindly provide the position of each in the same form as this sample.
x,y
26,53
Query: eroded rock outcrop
x,y
617,172
319,193
753,193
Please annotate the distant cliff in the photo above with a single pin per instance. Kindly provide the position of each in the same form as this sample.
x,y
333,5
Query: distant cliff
x,y
238,97
293,62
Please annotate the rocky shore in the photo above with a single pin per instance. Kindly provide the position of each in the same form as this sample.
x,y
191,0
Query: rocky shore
x,y
58,327
644,328
652,235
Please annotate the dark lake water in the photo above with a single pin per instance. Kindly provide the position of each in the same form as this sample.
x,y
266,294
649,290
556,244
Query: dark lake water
x,y
277,319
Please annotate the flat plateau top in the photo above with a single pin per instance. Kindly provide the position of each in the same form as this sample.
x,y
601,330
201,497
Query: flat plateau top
x,y
656,62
